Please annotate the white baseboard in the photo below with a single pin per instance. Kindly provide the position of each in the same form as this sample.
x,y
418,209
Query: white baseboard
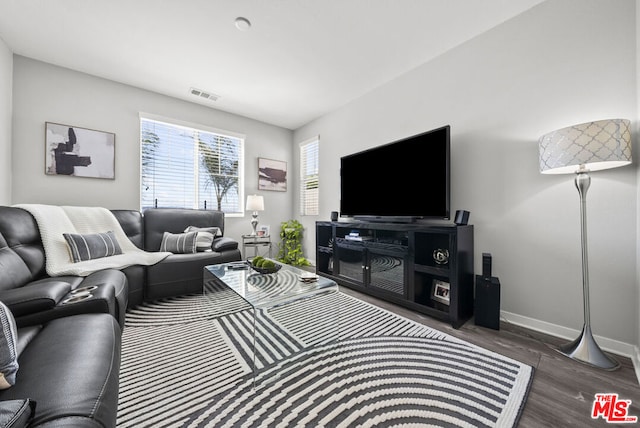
x,y
610,345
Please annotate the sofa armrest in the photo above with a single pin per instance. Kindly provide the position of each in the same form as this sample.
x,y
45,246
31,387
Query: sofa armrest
x,y
34,298
224,244
16,413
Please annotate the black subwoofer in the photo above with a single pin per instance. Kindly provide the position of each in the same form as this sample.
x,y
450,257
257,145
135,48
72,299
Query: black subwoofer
x,y
487,304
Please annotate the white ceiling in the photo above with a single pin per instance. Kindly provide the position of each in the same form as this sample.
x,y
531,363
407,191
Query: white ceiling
x,y
300,59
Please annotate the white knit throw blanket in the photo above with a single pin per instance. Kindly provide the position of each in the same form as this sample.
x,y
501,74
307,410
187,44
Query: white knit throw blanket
x,y
55,220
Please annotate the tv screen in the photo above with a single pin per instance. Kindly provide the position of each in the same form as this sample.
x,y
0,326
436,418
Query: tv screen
x,y
406,179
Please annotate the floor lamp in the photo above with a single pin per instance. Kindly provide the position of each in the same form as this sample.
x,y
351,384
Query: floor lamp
x,y
579,150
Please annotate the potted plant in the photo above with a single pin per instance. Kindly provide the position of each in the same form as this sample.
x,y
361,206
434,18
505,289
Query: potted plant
x,y
290,251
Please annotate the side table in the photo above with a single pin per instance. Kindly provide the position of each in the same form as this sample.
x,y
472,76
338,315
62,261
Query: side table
x,y
256,242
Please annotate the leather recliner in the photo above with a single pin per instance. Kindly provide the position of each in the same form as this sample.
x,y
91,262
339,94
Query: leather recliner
x,y
34,297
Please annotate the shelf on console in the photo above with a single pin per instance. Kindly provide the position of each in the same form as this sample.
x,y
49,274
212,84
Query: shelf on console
x,y
409,249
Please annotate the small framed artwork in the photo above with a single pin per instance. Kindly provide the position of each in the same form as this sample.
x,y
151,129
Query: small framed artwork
x,y
79,152
440,291
263,230
272,175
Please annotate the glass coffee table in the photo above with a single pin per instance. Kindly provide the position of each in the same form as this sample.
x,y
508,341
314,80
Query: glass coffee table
x,y
265,291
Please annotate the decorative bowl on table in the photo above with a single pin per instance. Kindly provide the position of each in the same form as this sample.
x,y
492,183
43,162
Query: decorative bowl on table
x,y
264,266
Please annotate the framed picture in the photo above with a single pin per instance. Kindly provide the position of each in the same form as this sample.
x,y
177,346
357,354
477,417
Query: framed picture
x,y
272,175
440,291
79,152
263,230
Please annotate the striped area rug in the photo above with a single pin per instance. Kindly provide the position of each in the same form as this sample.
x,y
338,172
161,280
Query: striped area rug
x,y
326,361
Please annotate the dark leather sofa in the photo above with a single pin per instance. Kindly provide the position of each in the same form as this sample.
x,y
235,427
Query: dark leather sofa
x,y
69,345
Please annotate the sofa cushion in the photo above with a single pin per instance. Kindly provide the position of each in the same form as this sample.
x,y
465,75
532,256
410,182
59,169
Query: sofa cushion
x,y
70,369
16,413
131,222
176,220
179,243
22,235
182,273
8,348
92,245
15,272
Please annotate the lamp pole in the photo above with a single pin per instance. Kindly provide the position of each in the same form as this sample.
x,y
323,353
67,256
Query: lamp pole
x,y
584,348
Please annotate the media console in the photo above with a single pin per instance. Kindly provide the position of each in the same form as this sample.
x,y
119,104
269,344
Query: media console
x,y
425,268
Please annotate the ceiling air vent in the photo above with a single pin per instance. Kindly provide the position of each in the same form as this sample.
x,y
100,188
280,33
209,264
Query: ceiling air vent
x,y
203,94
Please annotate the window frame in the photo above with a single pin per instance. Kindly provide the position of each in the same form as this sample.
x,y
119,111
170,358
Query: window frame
x,y
303,207
190,126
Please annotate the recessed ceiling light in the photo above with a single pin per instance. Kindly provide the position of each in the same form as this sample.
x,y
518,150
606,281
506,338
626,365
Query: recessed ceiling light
x,y
242,24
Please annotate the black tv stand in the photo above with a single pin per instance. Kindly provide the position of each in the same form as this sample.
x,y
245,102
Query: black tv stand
x,y
375,219
396,262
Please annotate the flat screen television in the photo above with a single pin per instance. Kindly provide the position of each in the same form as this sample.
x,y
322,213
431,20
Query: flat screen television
x,y
405,180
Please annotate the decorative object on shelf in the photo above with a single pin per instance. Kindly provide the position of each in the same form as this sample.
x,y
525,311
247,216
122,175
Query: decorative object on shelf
x,y
441,256
290,251
462,217
579,149
272,175
264,230
255,203
79,152
440,291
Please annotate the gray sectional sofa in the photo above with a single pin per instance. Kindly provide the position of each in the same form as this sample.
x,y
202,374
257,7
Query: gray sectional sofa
x,y
68,344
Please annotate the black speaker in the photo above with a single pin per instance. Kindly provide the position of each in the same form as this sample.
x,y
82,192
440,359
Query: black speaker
x,y
486,265
334,215
462,218
487,304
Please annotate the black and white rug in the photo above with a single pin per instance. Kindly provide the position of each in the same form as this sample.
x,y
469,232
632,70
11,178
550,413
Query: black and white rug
x,y
327,361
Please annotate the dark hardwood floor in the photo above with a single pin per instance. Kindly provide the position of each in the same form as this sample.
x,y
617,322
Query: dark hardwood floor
x,y
562,391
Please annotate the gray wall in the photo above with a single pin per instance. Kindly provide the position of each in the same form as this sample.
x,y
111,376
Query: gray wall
x,y
561,63
637,349
47,93
6,86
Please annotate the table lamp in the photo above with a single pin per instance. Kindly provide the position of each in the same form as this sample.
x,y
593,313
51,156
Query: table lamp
x,y
255,203
578,150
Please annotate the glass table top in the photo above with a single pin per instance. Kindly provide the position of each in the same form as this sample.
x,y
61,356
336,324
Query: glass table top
x,y
269,290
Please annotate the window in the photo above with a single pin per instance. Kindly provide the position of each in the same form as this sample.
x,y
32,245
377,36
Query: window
x,y
186,167
309,191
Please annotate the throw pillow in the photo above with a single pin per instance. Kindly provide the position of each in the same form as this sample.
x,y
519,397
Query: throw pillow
x,y
205,236
212,229
92,246
180,243
8,348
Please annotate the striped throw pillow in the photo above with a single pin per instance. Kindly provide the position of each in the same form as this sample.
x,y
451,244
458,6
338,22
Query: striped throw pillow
x,y
8,348
92,246
205,237
179,243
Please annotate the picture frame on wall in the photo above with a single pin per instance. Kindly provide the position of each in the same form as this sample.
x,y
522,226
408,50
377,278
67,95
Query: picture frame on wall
x,y
272,175
440,291
79,152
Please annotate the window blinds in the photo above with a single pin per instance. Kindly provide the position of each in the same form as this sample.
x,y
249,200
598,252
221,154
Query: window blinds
x,y
309,190
185,167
